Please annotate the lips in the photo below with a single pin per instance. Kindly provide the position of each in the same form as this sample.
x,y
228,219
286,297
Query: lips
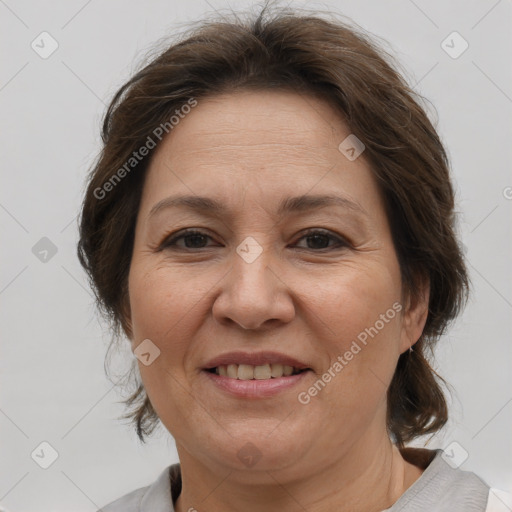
x,y
252,379
255,359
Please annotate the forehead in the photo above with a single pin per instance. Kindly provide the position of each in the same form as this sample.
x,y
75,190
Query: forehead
x,y
257,146
261,125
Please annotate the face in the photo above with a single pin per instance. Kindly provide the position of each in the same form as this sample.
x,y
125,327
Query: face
x,y
312,279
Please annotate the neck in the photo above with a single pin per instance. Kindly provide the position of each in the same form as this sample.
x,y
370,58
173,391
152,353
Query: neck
x,y
341,486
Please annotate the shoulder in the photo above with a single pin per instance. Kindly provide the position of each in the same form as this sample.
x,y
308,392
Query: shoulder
x,y
499,501
128,503
444,487
157,497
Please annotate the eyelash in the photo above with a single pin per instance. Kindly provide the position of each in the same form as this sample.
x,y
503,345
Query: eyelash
x,y
170,242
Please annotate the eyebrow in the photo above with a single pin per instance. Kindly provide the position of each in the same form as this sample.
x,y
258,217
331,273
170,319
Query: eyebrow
x,y
289,205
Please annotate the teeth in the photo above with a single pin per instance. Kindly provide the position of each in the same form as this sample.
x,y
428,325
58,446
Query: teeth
x,y
260,372
245,372
232,371
277,370
287,370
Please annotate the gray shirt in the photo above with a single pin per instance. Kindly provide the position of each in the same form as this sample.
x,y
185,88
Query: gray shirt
x,y
440,488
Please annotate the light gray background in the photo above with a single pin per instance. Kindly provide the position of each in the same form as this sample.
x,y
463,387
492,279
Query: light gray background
x,y
52,382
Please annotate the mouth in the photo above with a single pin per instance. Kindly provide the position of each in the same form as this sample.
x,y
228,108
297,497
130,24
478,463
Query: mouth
x,y
245,381
256,372
254,375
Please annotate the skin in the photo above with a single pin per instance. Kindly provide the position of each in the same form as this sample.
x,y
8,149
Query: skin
x,y
250,150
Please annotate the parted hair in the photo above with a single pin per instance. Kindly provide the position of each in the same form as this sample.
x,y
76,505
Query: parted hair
x,y
310,54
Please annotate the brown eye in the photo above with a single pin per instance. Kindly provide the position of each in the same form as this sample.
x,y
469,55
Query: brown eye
x,y
193,239
320,240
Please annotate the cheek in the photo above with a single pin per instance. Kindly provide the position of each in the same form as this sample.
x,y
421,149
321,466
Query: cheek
x,y
159,299
163,309
168,306
361,314
355,300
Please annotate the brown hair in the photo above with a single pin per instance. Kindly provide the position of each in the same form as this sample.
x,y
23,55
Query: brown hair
x,y
310,55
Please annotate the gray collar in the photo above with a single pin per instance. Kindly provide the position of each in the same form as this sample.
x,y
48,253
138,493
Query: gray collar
x,y
159,496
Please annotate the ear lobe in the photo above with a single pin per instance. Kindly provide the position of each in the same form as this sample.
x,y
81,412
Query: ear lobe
x,y
415,315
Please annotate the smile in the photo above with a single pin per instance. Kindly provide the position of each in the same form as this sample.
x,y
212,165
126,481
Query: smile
x,y
259,372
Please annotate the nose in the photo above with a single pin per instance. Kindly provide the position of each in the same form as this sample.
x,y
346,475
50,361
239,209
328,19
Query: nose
x,y
254,294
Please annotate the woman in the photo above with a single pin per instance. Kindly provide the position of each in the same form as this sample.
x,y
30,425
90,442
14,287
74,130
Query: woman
x,y
271,225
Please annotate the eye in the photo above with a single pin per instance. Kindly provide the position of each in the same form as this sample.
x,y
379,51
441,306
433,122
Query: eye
x,y
192,238
318,239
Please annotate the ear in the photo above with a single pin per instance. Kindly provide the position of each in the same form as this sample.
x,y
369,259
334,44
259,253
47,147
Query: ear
x,y
415,315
